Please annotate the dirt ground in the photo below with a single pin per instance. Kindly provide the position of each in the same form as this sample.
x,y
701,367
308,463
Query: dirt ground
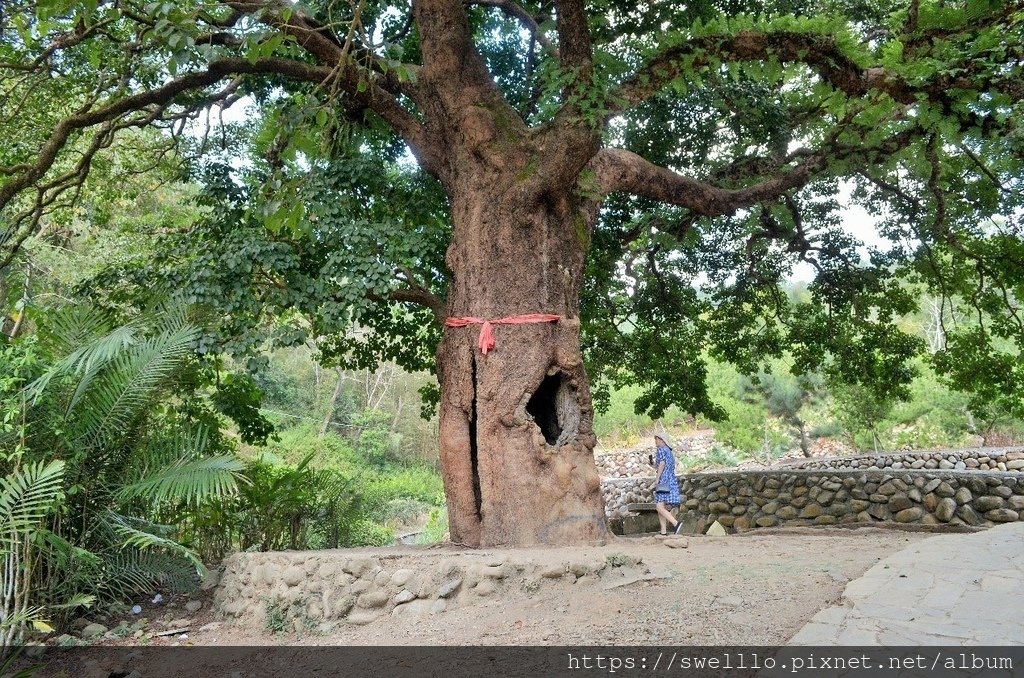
x,y
753,589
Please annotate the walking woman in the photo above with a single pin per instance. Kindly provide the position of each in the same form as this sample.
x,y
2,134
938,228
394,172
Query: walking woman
x,y
666,487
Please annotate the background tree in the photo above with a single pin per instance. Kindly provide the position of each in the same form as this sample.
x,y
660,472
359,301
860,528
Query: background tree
x,y
646,173
784,396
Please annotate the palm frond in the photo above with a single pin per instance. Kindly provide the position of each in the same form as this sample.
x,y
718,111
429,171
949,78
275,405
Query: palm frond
x,y
26,496
62,552
84,337
77,600
144,540
131,571
131,381
22,617
188,480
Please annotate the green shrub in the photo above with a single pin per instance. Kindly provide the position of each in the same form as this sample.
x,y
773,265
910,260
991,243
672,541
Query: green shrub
x,y
436,527
276,617
369,533
404,511
718,456
329,451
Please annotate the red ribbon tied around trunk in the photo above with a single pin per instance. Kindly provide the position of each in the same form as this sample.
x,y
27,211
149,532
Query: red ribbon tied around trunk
x,y
486,339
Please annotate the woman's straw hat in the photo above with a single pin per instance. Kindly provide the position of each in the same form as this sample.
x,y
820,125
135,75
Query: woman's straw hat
x,y
660,433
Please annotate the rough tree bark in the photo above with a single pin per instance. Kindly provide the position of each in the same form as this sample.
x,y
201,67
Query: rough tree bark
x,y
515,428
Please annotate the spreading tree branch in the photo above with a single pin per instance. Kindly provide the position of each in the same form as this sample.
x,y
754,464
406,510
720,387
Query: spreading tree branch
x,y
516,11
619,170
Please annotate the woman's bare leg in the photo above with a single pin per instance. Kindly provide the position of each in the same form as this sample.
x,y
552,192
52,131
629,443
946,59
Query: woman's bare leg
x,y
665,517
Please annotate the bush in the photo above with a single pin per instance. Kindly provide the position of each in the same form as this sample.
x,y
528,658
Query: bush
x,y
436,527
404,511
369,533
718,456
329,451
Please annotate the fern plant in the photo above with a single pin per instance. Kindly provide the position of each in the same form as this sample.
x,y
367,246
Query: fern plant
x,y
27,495
111,401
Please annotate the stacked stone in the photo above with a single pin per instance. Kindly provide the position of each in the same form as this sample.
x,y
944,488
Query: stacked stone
x,y
316,591
633,462
744,501
326,589
620,492
980,459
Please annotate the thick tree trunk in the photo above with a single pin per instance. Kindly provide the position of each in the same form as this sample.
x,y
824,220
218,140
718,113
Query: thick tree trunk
x,y
516,430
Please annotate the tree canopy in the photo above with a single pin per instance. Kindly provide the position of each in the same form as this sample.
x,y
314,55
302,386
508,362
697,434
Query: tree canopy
x,y
721,142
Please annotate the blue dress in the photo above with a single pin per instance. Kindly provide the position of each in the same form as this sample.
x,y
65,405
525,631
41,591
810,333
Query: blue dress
x,y
668,477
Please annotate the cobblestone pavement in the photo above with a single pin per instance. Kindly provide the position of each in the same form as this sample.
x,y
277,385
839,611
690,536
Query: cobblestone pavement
x,y
957,589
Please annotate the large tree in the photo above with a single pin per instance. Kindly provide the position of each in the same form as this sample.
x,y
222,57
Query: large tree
x,y
642,174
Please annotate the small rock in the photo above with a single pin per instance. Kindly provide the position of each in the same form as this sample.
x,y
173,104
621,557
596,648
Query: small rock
x,y
405,596
293,576
946,509
1002,515
968,515
811,511
93,631
211,580
899,502
677,543
449,587
373,599
193,606
716,530
363,617
401,577
413,608
494,572
553,572
908,515
988,503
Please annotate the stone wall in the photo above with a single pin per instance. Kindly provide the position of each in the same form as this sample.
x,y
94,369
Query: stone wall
x,y
978,459
742,500
317,590
632,462
696,445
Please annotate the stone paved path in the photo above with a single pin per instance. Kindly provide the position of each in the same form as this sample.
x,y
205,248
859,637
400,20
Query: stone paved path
x,y
957,589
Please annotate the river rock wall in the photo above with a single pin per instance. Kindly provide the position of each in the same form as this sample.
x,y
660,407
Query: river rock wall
x,y
744,500
977,459
317,590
